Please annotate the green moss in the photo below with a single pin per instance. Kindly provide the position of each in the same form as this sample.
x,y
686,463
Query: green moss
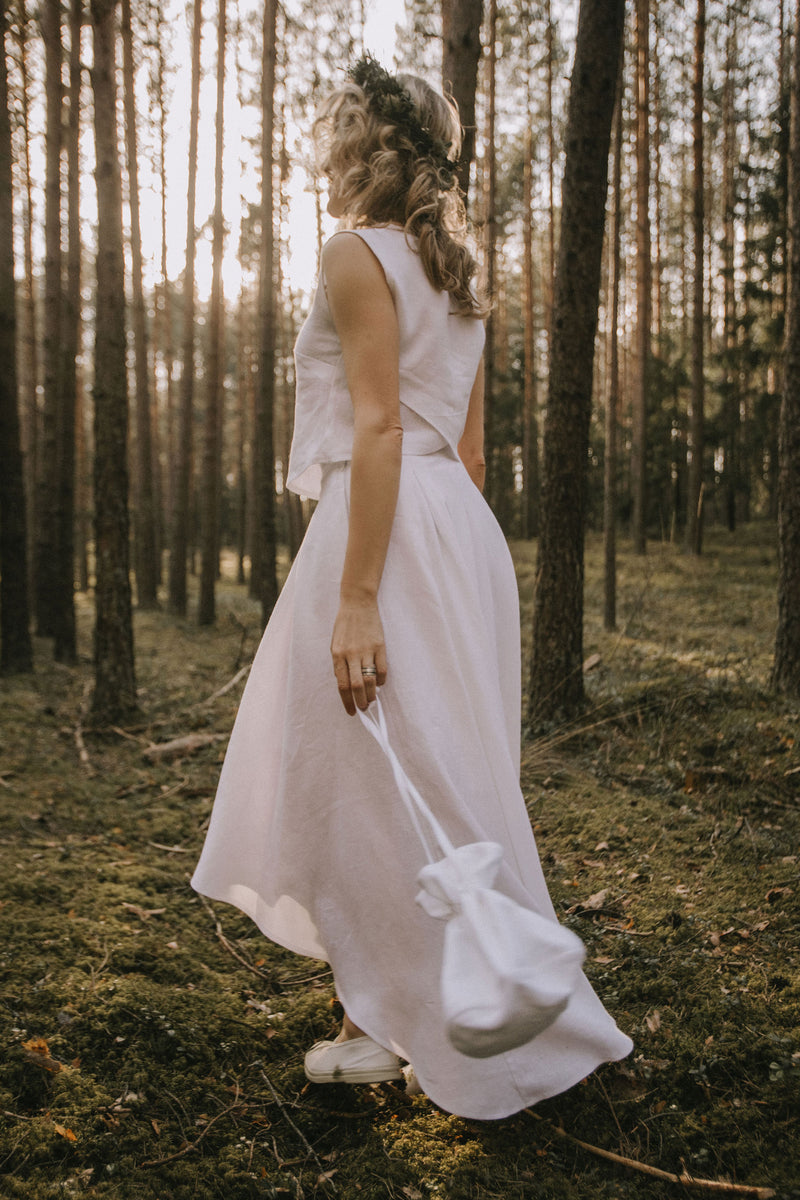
x,y
181,1070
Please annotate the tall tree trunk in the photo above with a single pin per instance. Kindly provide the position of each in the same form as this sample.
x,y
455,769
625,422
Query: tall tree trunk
x,y
551,176
179,542
643,276
212,444
730,472
612,399
82,486
658,255
145,518
64,613
556,669
490,264
46,568
694,514
163,330
264,548
530,425
786,666
30,341
461,52
15,638
115,686
243,376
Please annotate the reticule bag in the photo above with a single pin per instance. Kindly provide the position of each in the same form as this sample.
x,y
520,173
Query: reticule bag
x,y
507,971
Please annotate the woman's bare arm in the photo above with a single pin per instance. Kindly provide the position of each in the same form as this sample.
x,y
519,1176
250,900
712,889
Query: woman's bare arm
x,y
363,311
470,448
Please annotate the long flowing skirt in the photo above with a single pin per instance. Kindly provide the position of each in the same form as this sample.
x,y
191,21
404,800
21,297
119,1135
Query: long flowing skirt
x,y
308,834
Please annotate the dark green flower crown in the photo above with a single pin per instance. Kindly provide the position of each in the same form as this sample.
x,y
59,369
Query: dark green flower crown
x,y
388,99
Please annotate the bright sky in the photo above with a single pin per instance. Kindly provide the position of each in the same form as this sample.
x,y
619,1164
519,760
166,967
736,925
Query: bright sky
x,y
241,164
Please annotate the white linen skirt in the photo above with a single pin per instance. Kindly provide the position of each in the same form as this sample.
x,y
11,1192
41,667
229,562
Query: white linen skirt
x,y
308,835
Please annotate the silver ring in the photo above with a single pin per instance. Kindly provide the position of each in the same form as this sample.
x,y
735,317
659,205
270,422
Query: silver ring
x,y
369,672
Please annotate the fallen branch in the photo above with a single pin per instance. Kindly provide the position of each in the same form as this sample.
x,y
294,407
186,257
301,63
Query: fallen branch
x,y
273,983
749,1191
190,743
80,745
157,1162
323,1176
225,688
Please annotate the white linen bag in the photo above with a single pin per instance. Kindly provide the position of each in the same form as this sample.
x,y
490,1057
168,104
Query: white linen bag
x,y
507,971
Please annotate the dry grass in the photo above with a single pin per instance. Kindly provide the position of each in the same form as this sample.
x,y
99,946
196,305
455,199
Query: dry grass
x,y
142,1059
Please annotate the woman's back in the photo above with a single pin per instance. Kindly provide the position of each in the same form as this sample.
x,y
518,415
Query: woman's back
x,y
439,355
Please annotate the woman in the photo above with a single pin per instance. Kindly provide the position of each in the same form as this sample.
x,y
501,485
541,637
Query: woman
x,y
403,582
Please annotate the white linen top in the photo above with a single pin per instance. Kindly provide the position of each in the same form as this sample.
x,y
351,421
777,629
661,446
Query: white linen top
x,y
439,357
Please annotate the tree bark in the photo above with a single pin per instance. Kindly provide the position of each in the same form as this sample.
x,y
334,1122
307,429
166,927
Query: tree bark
x,y
643,277
730,431
490,264
30,340
145,566
114,696
179,542
15,638
212,448
612,400
530,426
264,573
461,52
786,666
694,514
46,567
556,669
64,649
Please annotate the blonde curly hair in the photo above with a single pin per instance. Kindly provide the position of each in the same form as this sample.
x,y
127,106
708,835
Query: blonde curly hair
x,y
383,178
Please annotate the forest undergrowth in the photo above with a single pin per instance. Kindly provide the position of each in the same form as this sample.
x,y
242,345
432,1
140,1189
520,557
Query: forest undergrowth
x,y
152,1043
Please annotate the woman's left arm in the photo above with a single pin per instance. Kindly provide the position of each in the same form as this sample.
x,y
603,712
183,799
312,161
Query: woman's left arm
x,y
364,315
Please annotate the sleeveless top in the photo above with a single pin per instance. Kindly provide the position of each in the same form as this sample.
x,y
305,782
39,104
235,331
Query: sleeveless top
x,y
439,357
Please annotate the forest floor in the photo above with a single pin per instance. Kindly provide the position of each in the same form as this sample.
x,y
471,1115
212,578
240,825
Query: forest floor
x,y
152,1046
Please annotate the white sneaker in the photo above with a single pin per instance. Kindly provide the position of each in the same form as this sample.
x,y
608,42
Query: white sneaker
x,y
356,1060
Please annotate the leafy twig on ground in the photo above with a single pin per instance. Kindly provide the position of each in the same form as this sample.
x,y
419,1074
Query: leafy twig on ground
x,y
273,983
749,1191
312,1152
157,1162
225,688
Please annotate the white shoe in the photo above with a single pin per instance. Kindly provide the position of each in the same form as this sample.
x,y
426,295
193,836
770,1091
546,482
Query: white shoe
x,y
412,1083
355,1060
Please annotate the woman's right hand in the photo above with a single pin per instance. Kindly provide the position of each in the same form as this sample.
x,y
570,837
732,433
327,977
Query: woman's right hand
x,y
357,642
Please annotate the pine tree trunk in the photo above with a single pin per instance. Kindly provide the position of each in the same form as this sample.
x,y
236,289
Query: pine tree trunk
x,y
643,277
530,425
30,339
556,668
730,472
212,443
786,666
64,649
179,542
694,514
164,332
551,180
490,261
15,639
115,688
461,52
145,518
46,567
658,207
264,548
612,400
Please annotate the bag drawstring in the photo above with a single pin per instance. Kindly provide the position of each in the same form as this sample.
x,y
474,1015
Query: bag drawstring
x,y
375,721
